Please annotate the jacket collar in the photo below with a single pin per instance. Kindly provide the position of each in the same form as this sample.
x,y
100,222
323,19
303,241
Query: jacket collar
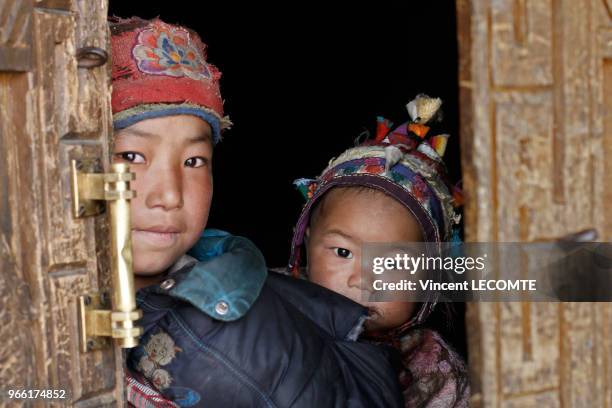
x,y
222,276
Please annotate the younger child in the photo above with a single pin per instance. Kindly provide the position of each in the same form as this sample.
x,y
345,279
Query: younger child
x,y
390,189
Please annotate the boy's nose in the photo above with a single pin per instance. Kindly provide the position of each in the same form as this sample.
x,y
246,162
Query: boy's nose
x,y
165,190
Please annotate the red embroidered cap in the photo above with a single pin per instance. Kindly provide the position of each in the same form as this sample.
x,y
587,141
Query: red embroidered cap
x,y
160,69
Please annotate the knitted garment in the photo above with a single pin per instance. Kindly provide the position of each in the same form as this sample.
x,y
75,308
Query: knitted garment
x,y
434,375
159,70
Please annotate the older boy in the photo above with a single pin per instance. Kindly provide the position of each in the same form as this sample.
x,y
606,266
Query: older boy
x,y
219,331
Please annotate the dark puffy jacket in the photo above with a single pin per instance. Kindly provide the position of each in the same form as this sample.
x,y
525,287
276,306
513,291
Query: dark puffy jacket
x,y
223,332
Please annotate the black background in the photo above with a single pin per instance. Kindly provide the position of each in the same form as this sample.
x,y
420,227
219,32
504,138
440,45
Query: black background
x,y
301,82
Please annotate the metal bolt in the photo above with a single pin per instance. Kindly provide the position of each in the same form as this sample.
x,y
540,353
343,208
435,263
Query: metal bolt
x,y
167,284
222,308
91,57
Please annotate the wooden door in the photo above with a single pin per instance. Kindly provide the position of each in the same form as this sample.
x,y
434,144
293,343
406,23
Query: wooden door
x,y
51,111
536,139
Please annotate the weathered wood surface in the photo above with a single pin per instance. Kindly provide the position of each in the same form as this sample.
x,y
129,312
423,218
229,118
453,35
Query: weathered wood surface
x,y
15,35
536,134
50,112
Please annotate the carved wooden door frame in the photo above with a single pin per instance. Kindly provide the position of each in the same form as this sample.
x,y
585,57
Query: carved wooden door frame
x,y
535,81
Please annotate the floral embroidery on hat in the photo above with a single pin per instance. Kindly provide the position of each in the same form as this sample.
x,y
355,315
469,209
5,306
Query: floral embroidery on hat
x,y
165,50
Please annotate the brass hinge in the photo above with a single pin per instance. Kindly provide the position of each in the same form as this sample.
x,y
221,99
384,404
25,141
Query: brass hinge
x,y
91,193
98,323
90,188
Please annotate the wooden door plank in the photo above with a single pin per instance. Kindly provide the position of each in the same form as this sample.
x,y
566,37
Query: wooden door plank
x,y
16,35
535,81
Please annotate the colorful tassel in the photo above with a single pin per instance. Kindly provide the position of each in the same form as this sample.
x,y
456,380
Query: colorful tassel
x,y
439,143
306,187
412,110
383,126
423,108
418,129
392,156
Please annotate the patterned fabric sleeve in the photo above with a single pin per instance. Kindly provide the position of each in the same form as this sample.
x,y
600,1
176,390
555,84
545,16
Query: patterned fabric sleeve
x,y
435,375
142,394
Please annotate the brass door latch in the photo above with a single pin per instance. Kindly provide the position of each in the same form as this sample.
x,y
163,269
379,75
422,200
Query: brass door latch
x,y
91,190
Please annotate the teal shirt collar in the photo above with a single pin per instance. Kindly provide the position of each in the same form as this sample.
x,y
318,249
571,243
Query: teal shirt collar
x,y
226,279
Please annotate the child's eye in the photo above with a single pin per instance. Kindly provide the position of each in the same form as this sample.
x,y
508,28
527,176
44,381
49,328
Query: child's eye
x,y
131,157
343,253
196,162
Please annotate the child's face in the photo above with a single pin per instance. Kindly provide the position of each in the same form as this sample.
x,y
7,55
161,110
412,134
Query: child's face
x,y
172,159
345,219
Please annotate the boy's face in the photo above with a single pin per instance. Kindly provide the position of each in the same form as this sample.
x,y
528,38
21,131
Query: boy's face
x,y
345,219
172,159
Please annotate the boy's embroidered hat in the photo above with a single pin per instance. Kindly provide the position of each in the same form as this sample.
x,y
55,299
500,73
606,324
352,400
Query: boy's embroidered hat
x,y
159,70
406,164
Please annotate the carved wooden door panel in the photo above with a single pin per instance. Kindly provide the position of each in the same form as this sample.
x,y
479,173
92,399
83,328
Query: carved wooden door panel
x,y
536,134
54,107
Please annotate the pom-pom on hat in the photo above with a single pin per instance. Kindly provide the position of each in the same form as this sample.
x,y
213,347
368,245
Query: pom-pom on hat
x,y
160,69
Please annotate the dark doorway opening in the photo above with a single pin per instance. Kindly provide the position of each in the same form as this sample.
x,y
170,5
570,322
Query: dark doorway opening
x,y
300,84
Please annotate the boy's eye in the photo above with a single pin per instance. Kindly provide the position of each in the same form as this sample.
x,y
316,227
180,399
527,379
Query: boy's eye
x,y
131,157
343,253
196,162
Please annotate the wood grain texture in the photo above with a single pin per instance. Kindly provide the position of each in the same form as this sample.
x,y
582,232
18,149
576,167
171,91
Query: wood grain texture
x,y
54,4
535,86
48,116
16,35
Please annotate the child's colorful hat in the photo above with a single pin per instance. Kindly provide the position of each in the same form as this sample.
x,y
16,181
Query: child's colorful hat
x,y
160,70
406,164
